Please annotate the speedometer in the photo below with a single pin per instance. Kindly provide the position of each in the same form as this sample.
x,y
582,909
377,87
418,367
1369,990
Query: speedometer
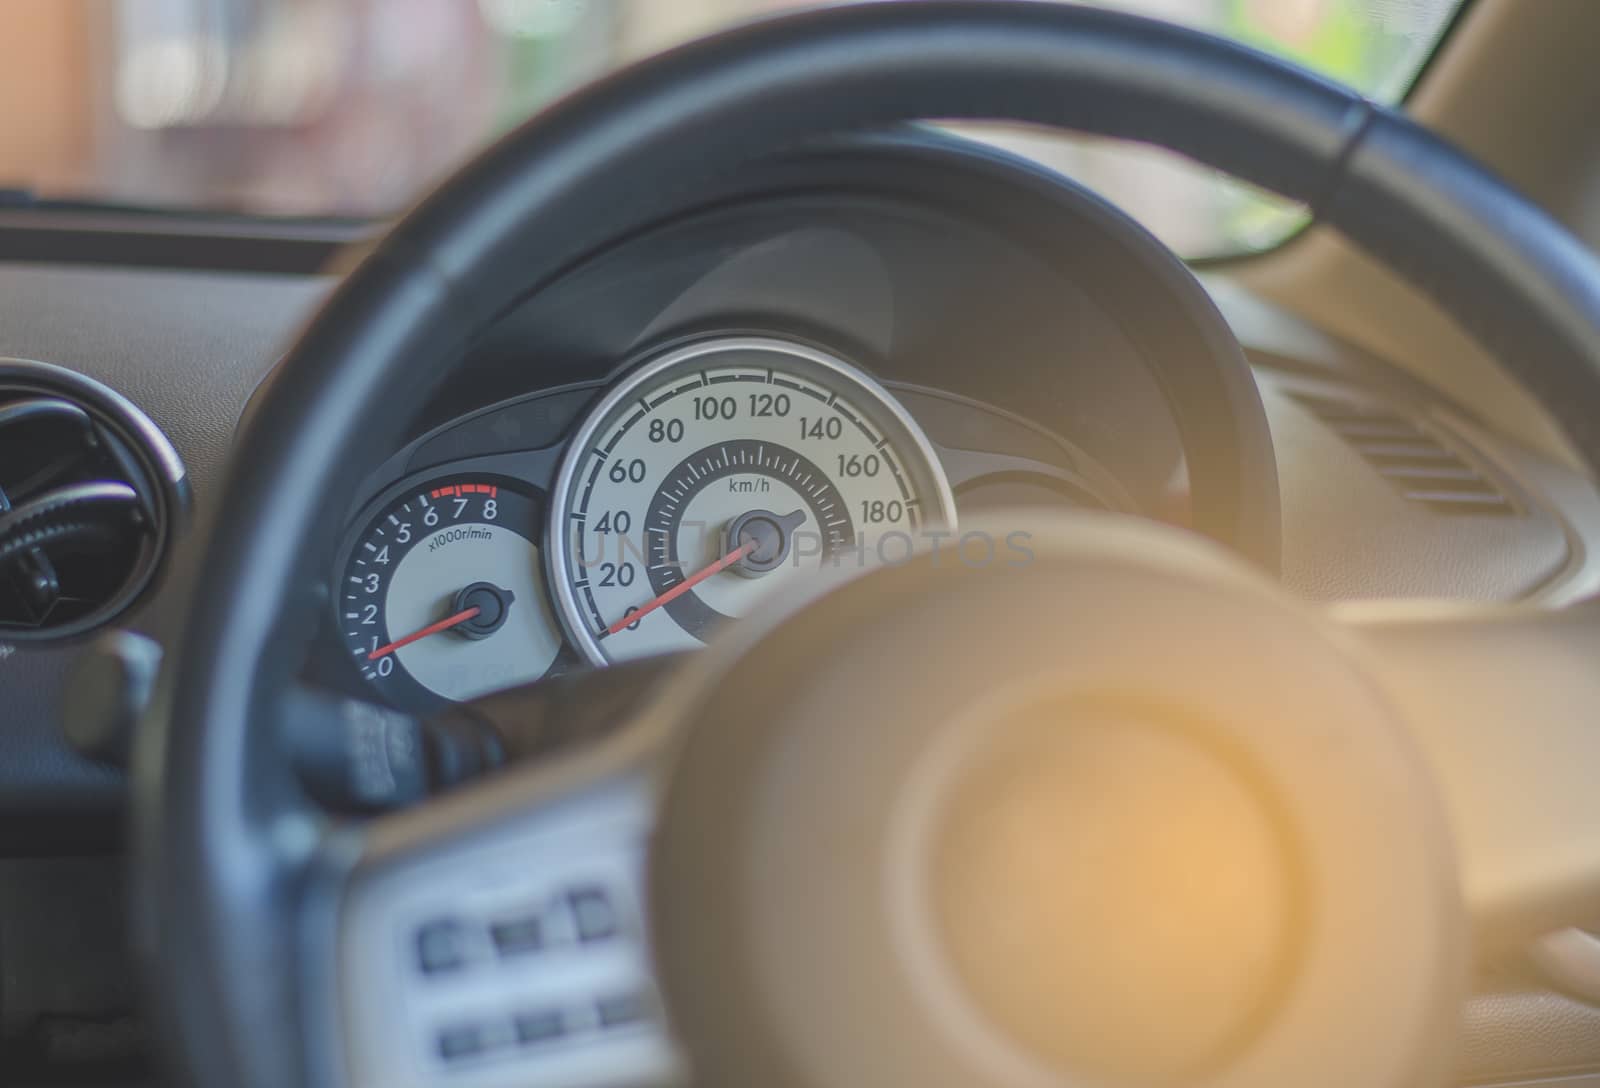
x,y
718,473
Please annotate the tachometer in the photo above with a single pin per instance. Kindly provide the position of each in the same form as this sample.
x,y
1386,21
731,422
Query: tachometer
x,y
442,593
719,472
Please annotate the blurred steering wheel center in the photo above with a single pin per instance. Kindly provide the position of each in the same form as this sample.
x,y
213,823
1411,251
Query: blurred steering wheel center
x,y
1189,904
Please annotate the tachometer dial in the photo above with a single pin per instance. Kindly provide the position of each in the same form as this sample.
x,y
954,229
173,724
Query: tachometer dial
x,y
715,475
442,595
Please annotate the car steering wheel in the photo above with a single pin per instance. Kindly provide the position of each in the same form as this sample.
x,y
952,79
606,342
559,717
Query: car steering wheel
x,y
1124,814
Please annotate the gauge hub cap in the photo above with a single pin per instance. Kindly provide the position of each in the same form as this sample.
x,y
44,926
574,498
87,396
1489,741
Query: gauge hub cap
x,y
765,536
493,605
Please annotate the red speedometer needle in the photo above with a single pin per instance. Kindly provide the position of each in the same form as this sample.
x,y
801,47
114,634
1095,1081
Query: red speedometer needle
x,y
432,629
683,587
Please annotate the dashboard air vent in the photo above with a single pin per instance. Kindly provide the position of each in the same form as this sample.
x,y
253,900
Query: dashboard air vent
x,y
88,488
1417,464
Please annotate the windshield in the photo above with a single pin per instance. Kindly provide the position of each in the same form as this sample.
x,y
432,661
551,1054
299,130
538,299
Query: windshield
x,y
351,108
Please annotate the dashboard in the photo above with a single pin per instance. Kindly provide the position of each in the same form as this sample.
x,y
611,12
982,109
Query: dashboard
x,y
787,377
818,364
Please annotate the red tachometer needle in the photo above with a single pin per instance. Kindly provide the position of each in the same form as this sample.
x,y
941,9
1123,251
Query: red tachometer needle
x,y
432,629
683,587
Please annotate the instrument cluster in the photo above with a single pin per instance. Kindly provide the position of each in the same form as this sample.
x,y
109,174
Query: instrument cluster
x,y
705,482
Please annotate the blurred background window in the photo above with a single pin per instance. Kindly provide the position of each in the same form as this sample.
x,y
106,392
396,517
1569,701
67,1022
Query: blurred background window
x,y
351,108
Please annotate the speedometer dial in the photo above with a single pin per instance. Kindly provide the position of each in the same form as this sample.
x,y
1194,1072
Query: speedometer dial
x,y
718,474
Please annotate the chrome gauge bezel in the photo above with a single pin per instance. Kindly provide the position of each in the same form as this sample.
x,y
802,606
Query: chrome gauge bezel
x,y
798,358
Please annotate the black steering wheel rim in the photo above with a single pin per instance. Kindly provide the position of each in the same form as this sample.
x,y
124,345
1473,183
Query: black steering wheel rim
x,y
221,842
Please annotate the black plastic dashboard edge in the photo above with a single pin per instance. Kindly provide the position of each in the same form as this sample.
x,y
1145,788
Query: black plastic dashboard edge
x,y
177,241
